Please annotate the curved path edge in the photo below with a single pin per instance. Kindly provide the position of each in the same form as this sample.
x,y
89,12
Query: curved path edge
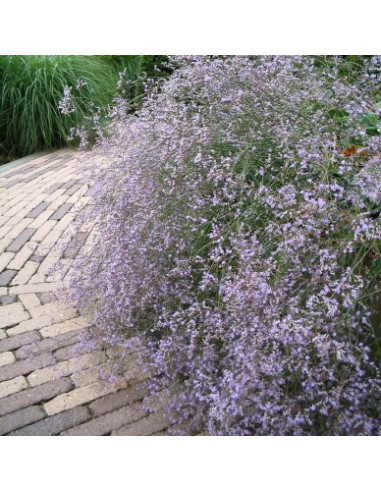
x,y
46,386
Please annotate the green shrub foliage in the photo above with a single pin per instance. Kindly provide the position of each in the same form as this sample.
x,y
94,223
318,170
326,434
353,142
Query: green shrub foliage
x,y
30,90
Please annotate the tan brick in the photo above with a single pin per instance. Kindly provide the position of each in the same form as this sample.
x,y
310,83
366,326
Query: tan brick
x,y
77,195
13,317
3,220
23,255
38,278
25,273
59,328
3,291
85,377
6,358
2,335
5,259
5,230
51,307
81,395
81,203
4,243
30,301
56,194
13,386
55,205
48,242
74,398
41,219
83,321
19,228
14,220
16,208
13,308
34,288
64,368
43,321
65,221
44,230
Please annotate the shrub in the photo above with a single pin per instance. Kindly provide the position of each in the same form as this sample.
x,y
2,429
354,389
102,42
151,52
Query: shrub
x,y
137,70
239,245
30,90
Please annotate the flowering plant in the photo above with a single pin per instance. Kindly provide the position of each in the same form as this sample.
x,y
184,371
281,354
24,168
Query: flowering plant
x,y
240,247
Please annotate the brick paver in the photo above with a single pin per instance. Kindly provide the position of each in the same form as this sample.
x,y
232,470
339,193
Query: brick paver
x,y
7,358
148,425
12,386
48,385
107,423
21,418
52,426
31,396
23,340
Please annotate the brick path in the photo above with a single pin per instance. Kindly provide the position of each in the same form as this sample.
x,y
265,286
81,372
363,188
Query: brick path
x,y
46,388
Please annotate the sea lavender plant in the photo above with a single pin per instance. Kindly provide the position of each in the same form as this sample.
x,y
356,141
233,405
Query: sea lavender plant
x,y
238,245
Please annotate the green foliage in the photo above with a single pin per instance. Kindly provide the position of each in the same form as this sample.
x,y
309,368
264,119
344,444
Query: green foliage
x,y
135,68
132,64
135,65
152,61
30,90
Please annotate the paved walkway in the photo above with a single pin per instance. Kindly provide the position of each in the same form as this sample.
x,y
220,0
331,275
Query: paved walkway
x,y
46,388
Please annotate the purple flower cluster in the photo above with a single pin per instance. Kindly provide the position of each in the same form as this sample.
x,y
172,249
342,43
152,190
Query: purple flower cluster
x,y
232,232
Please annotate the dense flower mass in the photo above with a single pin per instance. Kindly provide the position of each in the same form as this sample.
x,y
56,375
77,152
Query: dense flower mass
x,y
239,245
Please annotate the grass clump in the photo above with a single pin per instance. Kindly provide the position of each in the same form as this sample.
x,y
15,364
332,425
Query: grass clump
x,y
30,90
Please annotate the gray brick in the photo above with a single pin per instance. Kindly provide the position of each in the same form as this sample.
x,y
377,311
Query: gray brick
x,y
117,400
38,394
17,341
26,366
36,258
52,426
11,183
109,422
20,240
7,299
6,277
67,352
73,189
46,345
21,418
69,184
147,426
30,178
61,211
53,188
46,297
37,210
